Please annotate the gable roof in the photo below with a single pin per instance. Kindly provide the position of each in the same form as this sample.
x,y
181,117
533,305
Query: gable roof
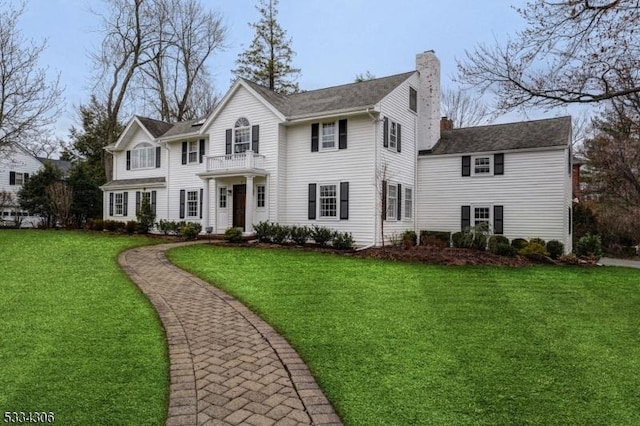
x,y
156,127
544,133
184,128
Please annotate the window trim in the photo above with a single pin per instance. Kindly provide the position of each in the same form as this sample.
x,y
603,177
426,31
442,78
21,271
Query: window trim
x,y
413,91
222,197
336,198
195,152
150,156
187,211
473,165
21,175
260,187
407,208
244,125
391,127
321,146
475,207
120,204
393,204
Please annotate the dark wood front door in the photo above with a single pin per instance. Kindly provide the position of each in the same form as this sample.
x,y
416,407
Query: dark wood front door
x,y
239,202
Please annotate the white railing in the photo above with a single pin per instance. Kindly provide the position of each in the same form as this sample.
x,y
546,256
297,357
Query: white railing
x,y
243,161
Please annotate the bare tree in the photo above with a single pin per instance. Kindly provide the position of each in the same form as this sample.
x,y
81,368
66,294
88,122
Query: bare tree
x,y
177,82
45,145
572,51
463,108
61,197
364,76
29,101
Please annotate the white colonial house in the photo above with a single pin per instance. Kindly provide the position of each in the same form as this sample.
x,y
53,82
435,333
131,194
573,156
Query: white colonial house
x,y
346,157
16,165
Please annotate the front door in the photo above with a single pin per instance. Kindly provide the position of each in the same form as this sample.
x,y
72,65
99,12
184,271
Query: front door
x,y
239,201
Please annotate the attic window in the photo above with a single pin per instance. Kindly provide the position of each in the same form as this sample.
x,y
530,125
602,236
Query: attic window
x,y
413,99
198,123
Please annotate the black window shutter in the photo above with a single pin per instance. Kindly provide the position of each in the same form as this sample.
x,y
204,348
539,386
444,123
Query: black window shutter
x,y
158,155
399,215
466,217
255,138
498,164
111,204
398,136
315,132
182,194
153,201
342,134
137,202
184,153
125,204
312,201
128,160
344,200
228,145
466,165
498,220
12,178
201,198
26,177
201,150
385,133
384,200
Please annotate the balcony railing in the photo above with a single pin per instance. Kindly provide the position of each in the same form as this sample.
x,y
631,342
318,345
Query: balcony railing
x,y
244,161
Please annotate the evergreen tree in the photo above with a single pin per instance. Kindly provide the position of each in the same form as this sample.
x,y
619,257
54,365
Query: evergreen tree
x,y
87,196
268,60
33,194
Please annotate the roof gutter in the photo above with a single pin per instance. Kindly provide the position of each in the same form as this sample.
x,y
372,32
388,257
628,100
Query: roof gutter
x,y
295,119
179,137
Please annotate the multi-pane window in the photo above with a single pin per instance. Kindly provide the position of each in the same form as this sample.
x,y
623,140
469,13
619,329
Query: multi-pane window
x,y
192,203
19,179
481,215
393,134
392,201
328,135
119,203
328,201
242,138
413,99
408,203
260,195
192,151
143,156
481,165
222,198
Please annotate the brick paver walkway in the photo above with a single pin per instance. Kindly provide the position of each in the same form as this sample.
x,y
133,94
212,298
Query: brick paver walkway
x,y
228,367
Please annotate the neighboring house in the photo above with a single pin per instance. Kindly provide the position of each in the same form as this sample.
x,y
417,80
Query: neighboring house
x,y
16,165
345,157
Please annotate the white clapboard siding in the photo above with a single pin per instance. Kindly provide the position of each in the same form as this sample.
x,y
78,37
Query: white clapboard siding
x,y
120,159
18,161
182,177
531,191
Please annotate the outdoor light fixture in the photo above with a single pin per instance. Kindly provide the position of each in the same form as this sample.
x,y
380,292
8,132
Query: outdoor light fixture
x,y
209,230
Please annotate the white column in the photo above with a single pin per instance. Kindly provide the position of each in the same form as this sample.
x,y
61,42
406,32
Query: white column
x,y
248,207
205,205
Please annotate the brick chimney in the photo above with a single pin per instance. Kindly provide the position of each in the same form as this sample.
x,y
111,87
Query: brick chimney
x,y
428,67
446,123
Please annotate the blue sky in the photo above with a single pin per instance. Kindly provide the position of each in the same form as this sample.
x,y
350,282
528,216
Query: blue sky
x,y
334,39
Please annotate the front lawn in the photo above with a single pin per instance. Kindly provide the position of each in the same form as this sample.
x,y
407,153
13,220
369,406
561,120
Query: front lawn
x,y
396,343
77,338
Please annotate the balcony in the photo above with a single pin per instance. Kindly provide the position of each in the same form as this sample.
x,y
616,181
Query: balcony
x,y
235,164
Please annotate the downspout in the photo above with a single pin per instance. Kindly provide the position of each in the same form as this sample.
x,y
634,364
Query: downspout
x,y
375,177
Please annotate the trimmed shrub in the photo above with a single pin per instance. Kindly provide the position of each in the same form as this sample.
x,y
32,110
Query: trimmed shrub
x,y
555,249
189,230
589,245
168,227
131,226
409,238
145,215
264,231
519,243
496,240
113,225
342,240
506,250
97,225
429,238
539,241
533,250
233,235
299,234
460,240
321,235
280,233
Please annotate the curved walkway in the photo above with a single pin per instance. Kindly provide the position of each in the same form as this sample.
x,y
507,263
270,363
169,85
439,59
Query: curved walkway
x,y
228,367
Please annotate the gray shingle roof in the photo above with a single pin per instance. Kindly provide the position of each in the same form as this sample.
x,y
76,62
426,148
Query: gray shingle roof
x,y
155,127
183,128
348,96
138,182
63,165
501,137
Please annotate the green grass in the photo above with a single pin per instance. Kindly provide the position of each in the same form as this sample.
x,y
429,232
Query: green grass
x,y
76,335
403,344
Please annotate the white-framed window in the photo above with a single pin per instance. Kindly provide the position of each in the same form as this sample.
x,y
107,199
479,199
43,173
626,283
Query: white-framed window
x,y
328,201
143,156
261,195
408,203
192,203
222,197
413,99
328,137
19,179
192,152
118,203
242,135
481,214
393,135
481,165
392,201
